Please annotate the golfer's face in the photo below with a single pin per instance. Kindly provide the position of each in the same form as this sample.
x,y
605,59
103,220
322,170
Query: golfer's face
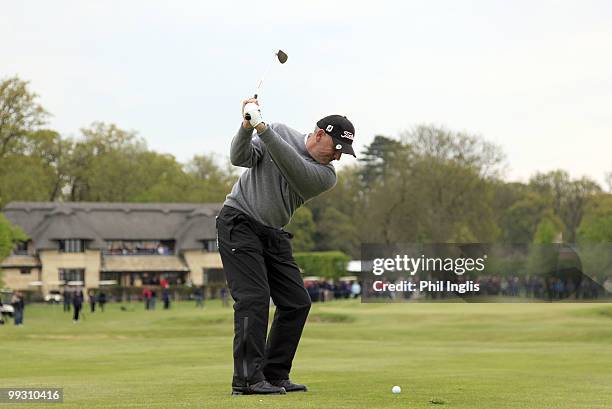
x,y
328,151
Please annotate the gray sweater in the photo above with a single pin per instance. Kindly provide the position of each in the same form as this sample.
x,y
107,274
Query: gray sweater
x,y
281,175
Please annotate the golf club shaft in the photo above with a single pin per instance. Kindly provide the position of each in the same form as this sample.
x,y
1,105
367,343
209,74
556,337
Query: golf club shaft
x,y
263,77
282,58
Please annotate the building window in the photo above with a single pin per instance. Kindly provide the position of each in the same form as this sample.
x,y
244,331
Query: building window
x,y
110,275
72,274
21,248
25,271
72,246
210,246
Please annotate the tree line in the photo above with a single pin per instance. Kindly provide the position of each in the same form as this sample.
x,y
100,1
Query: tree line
x,y
429,184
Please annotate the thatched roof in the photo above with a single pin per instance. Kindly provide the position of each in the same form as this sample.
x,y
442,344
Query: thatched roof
x,y
47,222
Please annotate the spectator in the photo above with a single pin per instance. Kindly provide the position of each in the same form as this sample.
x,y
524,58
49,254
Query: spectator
x,y
67,300
77,304
198,294
146,297
101,300
92,301
18,307
355,289
166,298
153,300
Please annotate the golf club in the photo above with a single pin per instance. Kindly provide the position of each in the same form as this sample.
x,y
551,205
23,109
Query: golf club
x,y
282,57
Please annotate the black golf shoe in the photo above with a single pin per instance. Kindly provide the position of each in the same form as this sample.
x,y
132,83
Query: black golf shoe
x,y
259,388
289,386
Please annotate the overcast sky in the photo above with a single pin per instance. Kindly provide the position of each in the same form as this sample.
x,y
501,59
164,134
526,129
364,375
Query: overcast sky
x,y
533,77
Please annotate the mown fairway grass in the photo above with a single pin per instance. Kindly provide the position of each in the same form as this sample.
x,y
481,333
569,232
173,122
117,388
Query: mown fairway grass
x,y
459,355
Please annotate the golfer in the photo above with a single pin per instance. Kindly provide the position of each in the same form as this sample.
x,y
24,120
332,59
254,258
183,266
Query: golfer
x,y
285,168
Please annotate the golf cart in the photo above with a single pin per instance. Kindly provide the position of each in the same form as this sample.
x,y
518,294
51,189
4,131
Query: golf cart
x,y
54,297
6,309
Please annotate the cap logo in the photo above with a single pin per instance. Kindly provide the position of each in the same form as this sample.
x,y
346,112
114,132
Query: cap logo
x,y
329,128
347,135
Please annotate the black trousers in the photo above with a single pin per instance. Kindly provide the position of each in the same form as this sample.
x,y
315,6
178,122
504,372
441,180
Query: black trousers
x,y
77,309
258,264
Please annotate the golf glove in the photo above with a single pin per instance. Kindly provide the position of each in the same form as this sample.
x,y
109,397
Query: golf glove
x,y
252,113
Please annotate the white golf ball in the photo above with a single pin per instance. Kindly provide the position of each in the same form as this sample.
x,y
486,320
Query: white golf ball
x,y
396,389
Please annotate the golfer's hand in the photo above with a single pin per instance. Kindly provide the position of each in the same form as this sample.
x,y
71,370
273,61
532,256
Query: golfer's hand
x,y
245,122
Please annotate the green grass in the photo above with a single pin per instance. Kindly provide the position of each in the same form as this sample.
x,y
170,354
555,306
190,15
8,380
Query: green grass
x,y
351,354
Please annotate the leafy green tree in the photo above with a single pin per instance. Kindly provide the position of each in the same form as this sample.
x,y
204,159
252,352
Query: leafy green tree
x,y
212,181
328,264
20,114
24,175
25,178
111,164
302,227
376,158
470,151
596,225
549,230
102,164
9,236
346,199
519,220
338,231
568,197
162,179
437,188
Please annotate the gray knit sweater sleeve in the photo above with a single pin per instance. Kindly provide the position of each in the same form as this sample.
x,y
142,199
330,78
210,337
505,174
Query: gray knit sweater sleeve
x,y
244,151
280,176
307,178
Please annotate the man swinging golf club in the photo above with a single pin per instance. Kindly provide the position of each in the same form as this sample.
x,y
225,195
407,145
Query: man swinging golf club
x,y
285,168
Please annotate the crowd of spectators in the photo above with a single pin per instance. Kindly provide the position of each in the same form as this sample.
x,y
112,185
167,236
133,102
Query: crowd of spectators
x,y
327,290
130,248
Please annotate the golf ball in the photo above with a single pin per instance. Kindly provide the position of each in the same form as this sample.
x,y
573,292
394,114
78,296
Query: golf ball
x,y
396,389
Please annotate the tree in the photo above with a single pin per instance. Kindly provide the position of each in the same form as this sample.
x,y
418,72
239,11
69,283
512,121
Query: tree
x,y
20,114
441,144
377,158
579,193
436,188
568,197
328,264
519,220
211,180
48,146
9,236
25,178
103,164
111,164
346,199
549,230
302,227
596,225
338,231
162,179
